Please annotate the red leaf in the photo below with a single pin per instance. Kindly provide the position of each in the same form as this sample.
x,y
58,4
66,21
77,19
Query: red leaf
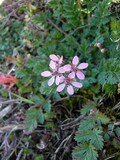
x,y
7,79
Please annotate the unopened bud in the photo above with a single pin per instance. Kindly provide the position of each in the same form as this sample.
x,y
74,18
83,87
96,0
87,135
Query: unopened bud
x,y
103,50
98,45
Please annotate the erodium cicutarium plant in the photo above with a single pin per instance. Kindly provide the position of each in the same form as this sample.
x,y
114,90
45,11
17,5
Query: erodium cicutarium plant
x,y
65,76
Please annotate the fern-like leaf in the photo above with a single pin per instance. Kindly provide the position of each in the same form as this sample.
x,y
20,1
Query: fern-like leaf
x,y
109,71
31,120
100,117
85,152
87,107
33,115
94,136
87,124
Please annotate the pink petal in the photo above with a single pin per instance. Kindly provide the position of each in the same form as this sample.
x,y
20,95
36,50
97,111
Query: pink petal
x,y
62,79
51,81
77,84
52,65
61,60
82,66
46,74
61,70
67,67
60,87
54,57
75,60
70,90
57,81
80,75
71,75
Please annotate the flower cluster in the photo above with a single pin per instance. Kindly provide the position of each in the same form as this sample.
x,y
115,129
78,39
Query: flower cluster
x,y
65,76
98,45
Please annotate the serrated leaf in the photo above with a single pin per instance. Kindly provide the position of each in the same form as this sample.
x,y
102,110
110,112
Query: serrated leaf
x,y
45,89
100,117
85,152
94,136
31,120
40,117
31,62
87,107
98,138
35,64
87,124
47,106
109,71
38,100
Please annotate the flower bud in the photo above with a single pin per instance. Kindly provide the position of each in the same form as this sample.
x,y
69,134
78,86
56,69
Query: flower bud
x,y
103,50
98,45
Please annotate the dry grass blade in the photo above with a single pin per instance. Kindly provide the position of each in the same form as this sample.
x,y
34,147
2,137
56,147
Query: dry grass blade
x,y
11,127
5,111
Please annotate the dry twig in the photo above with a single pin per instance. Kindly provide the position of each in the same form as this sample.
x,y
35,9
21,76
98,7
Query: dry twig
x,y
62,143
12,127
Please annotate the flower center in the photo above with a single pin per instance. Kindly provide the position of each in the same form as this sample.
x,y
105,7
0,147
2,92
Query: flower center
x,y
54,73
68,81
74,68
57,62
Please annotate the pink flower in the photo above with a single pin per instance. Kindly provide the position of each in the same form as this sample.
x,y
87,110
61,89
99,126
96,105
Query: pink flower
x,y
56,70
68,82
54,77
57,60
71,72
75,68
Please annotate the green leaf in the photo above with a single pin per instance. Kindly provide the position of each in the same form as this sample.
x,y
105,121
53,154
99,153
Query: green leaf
x,y
100,117
109,71
98,138
40,117
47,106
31,62
117,131
115,29
40,18
31,120
38,100
36,65
87,124
45,89
4,93
85,152
109,89
87,107
94,136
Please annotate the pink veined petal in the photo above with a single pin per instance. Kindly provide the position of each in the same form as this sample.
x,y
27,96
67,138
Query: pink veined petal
x,y
75,60
70,90
67,67
62,79
46,74
61,70
61,60
80,75
51,81
60,87
57,81
52,64
71,75
77,84
82,65
54,57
